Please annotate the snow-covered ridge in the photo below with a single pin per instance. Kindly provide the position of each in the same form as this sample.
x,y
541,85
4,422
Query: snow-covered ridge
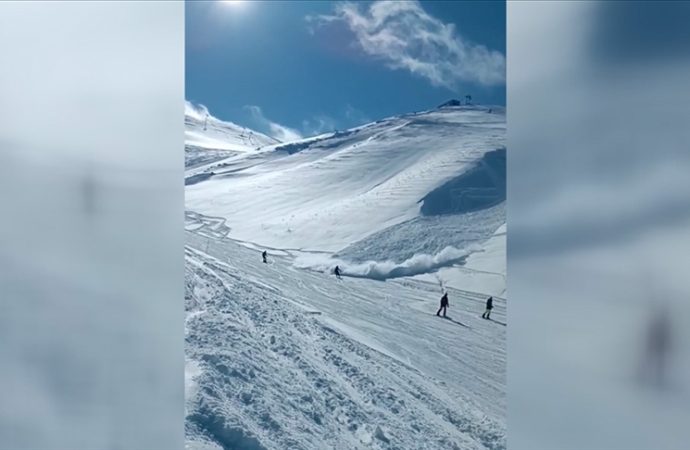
x,y
330,191
281,354
208,138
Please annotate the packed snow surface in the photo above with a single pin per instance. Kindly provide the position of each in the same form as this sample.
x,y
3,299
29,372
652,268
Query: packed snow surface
x,y
330,191
282,355
294,359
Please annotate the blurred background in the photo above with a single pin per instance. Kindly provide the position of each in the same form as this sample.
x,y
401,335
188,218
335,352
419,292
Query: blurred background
x,y
91,170
599,220
91,262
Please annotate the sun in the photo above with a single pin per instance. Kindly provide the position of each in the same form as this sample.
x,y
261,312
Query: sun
x,y
234,3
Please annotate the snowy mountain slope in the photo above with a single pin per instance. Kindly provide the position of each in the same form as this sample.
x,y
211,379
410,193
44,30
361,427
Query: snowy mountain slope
x,y
208,139
428,235
482,271
281,358
334,190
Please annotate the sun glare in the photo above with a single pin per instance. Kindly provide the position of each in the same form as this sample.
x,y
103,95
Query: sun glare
x,y
233,2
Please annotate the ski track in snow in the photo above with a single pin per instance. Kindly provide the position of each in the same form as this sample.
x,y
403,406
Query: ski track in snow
x,y
367,179
284,356
372,371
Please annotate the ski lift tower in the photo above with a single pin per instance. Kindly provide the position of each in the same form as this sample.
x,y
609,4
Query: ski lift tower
x,y
205,121
468,99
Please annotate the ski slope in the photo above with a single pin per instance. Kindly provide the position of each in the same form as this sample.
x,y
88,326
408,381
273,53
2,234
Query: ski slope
x,y
284,356
325,193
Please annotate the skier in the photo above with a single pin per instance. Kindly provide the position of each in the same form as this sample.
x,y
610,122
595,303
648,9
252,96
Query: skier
x,y
337,272
263,256
444,304
489,307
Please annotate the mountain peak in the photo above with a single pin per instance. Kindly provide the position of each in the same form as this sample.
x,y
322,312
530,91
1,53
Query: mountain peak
x,y
451,102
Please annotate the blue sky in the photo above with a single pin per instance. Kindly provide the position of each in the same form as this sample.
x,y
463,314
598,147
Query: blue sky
x,y
300,68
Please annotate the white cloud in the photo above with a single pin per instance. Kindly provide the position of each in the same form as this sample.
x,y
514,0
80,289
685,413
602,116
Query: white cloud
x,y
273,129
404,36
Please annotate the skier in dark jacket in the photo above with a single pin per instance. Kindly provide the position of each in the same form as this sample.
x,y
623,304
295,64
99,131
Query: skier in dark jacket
x,y
263,256
489,307
337,272
444,304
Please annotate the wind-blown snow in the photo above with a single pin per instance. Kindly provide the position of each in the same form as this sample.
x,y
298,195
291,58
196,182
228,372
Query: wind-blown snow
x,y
208,139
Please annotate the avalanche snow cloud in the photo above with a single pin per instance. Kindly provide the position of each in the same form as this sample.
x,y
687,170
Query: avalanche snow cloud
x,y
416,265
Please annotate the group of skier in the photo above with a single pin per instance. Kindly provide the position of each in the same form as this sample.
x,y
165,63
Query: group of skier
x,y
444,306
444,299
